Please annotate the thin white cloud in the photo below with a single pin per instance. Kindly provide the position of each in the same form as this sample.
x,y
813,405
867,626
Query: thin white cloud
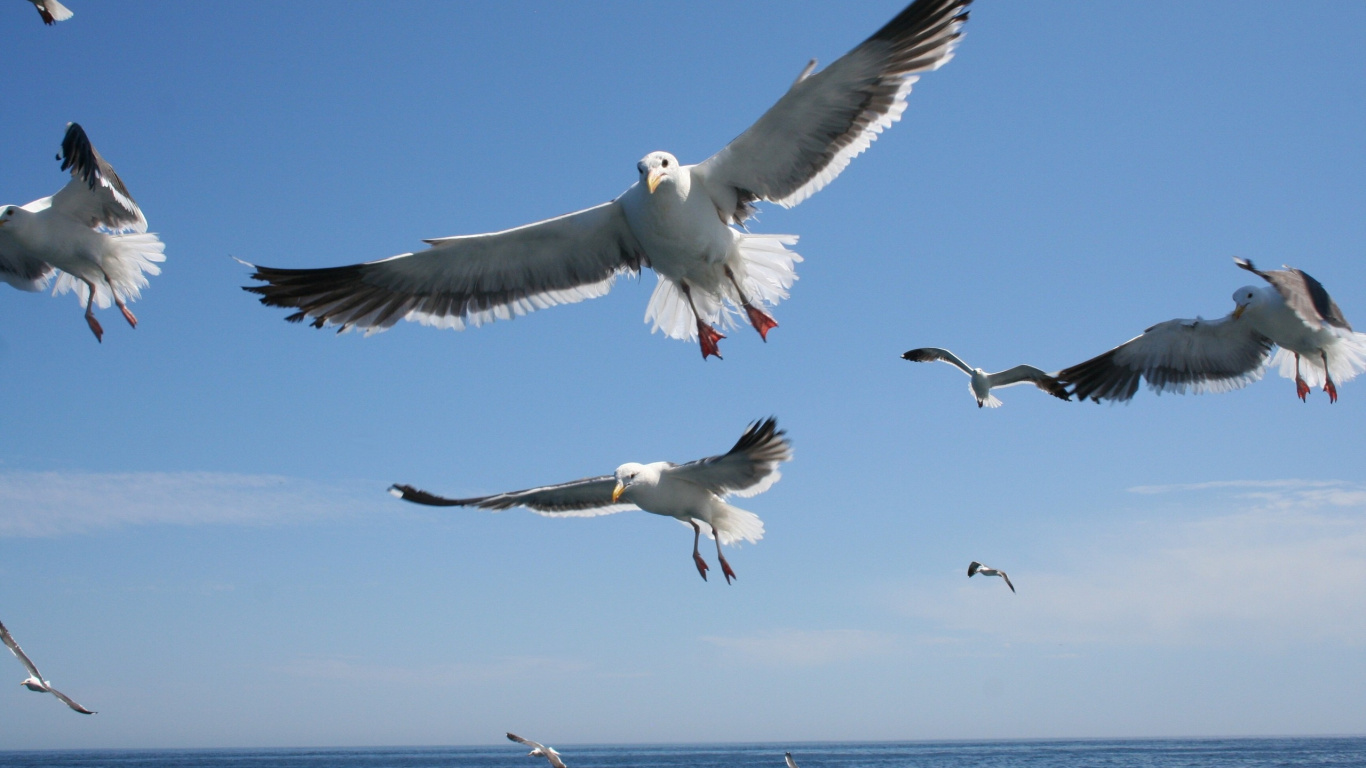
x,y
803,648
352,670
1285,563
63,503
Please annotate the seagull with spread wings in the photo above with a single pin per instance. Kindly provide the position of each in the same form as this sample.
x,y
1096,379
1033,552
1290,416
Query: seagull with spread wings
x,y
1293,312
691,493
539,750
975,568
686,222
982,383
35,681
90,235
52,11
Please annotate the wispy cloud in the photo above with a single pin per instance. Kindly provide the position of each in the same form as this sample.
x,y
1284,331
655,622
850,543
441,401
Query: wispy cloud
x,y
804,648
1265,562
60,503
352,669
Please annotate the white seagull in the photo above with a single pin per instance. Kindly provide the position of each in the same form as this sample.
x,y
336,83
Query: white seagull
x,y
1293,312
686,222
539,750
90,235
982,382
35,681
975,568
52,11
691,493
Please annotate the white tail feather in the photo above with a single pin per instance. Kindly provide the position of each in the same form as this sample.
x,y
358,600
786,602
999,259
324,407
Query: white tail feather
x,y
132,257
1346,359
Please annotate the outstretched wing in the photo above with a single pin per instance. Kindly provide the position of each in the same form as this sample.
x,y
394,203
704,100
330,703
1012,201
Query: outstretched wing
x,y
826,119
932,354
1302,293
67,700
1007,580
19,652
527,742
787,756
973,568
95,195
749,468
1176,356
466,280
1028,374
589,497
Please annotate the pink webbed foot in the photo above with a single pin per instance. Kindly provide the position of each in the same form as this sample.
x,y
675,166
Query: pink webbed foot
x,y
128,315
1301,388
761,320
725,569
701,565
95,327
1332,390
708,336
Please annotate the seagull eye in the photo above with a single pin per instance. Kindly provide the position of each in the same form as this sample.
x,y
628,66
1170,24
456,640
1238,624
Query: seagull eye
x,y
666,163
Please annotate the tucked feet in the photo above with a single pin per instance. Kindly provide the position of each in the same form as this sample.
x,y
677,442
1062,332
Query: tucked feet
x,y
708,336
702,566
761,320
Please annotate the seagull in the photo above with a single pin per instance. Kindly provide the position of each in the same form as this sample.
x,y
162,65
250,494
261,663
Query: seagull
x,y
982,382
35,681
975,568
52,11
691,493
539,750
1293,312
90,235
790,762
686,222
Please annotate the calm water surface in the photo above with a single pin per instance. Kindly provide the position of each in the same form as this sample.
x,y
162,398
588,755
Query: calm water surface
x,y
1194,753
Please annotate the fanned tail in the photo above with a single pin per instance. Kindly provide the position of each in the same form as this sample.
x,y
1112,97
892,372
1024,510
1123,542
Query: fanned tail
x,y
135,256
1346,359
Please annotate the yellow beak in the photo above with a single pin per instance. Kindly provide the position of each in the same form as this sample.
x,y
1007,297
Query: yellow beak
x,y
1239,310
652,181
616,492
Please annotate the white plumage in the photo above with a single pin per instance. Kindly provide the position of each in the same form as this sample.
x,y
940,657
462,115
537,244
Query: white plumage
x,y
34,681
52,11
539,750
981,383
691,493
683,221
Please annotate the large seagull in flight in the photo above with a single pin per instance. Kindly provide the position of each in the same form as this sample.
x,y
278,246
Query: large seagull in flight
x,y
686,222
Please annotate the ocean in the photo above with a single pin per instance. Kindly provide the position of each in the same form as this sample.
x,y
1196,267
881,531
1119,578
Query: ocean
x,y
1151,753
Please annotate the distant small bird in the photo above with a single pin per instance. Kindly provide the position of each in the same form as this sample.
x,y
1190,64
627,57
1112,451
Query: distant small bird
x,y
1294,313
90,235
539,750
790,762
975,568
982,382
35,681
689,492
51,11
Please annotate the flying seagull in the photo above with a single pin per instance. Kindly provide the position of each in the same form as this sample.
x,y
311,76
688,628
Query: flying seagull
x,y
35,681
539,750
975,568
52,11
790,762
1292,312
691,493
982,382
90,235
686,222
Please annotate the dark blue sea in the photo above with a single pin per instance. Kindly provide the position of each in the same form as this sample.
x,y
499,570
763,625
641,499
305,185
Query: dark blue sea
x,y
1191,753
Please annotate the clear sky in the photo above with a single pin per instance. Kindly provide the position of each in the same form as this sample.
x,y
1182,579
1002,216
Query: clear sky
x,y
194,534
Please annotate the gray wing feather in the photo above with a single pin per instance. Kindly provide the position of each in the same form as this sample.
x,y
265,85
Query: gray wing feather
x,y
466,280
932,354
588,497
748,468
67,700
1028,374
19,652
21,270
787,756
826,119
1176,356
95,195
1304,294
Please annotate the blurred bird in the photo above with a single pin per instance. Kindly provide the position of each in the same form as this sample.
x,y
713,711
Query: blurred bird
x,y
51,11
982,382
975,568
35,681
539,750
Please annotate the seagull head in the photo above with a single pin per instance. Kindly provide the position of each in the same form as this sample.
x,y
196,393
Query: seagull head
x,y
34,684
1244,298
6,214
628,475
656,168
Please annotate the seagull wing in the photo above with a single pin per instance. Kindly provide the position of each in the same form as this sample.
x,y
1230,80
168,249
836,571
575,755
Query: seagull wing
x,y
527,742
826,119
749,468
20,269
931,354
1304,294
1007,580
554,757
1175,356
790,762
466,280
589,497
95,196
973,568
19,652
67,700
1027,374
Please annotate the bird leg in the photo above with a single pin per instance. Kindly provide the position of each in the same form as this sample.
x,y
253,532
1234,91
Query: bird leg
x,y
761,320
127,314
1328,380
725,566
90,312
707,335
1301,388
696,557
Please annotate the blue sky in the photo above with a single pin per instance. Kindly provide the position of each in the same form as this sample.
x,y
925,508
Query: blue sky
x,y
194,535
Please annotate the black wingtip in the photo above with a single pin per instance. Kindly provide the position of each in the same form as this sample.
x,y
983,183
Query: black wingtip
x,y
1245,264
919,355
